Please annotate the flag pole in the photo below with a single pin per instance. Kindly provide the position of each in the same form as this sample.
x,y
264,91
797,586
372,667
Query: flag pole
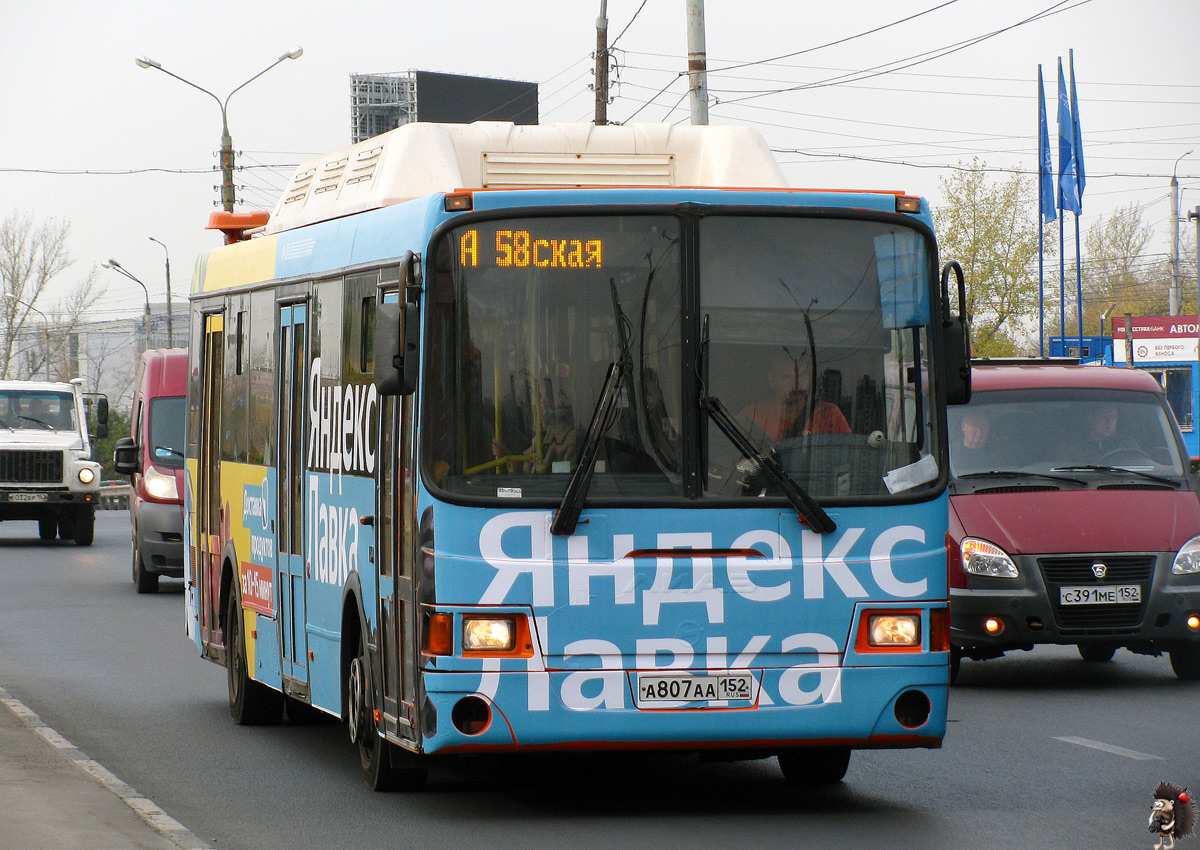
x,y
1041,223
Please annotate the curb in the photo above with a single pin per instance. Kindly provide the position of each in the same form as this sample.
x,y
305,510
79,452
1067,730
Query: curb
x,y
145,808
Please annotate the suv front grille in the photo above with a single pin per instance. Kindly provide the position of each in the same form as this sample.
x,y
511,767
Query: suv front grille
x,y
31,467
1076,570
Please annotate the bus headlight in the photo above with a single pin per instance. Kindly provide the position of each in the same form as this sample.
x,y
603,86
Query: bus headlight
x,y
895,630
489,634
160,485
1187,560
981,558
86,476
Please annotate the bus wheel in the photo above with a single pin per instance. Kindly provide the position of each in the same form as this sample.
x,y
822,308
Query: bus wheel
x,y
376,755
251,703
815,765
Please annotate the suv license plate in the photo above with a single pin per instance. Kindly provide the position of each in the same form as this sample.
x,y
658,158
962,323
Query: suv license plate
x,y
1110,594
680,688
28,497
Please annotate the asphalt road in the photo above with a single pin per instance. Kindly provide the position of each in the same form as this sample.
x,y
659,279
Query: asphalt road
x,y
1043,749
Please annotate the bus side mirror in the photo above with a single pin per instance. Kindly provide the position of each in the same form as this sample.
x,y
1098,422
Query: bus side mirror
x,y
956,340
397,329
126,458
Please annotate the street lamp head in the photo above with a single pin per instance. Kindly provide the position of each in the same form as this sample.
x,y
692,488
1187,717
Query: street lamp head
x,y
147,62
295,53
1175,170
110,264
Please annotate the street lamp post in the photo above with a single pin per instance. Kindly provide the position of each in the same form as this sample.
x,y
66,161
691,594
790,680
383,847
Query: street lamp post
x,y
170,311
45,328
117,267
227,155
1173,292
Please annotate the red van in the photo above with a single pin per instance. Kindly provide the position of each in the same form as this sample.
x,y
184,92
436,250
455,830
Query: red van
x,y
1074,517
152,455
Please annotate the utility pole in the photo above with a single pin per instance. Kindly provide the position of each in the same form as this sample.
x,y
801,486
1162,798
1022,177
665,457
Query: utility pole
x,y
697,62
602,65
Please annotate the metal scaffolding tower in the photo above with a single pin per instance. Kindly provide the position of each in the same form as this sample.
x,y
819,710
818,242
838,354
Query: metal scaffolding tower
x,y
381,102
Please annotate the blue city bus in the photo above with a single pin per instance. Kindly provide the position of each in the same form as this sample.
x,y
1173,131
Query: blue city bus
x,y
570,438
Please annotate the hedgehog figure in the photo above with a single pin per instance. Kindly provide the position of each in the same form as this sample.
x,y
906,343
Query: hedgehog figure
x,y
1172,816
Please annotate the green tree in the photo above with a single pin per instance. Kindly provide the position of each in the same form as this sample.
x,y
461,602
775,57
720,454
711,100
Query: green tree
x,y
102,448
991,228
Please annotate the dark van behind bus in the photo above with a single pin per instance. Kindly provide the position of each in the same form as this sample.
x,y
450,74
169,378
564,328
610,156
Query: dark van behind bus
x,y
1074,517
152,456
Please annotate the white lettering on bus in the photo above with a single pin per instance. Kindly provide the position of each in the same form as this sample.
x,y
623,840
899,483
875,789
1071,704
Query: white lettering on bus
x,y
340,419
529,532
333,538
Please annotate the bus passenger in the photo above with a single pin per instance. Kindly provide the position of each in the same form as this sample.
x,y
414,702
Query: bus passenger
x,y
791,387
555,449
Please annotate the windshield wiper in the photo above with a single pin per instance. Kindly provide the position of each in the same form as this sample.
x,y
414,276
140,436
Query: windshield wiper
x,y
1015,473
808,509
1115,470
167,450
567,515
45,425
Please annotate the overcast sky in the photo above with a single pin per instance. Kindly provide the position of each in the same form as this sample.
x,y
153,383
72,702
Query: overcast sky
x,y
852,98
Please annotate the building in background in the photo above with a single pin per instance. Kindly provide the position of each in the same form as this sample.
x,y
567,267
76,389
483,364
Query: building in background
x,y
382,102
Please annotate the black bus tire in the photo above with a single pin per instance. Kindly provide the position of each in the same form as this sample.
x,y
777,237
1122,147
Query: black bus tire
x,y
251,703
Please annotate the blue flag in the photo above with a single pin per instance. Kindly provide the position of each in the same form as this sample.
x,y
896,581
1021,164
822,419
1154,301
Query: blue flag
x,y
1076,137
1068,187
1045,159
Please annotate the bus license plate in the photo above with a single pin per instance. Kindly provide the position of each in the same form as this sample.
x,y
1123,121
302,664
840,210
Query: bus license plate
x,y
28,497
691,688
1112,594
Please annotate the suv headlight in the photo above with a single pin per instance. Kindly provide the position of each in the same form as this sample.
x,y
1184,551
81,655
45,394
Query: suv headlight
x,y
1187,559
159,485
981,558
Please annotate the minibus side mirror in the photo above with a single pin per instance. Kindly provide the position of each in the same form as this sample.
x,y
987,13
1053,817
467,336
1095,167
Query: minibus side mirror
x,y
126,456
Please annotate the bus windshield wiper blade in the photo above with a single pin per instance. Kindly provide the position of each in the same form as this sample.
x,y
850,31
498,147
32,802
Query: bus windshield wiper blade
x,y
1016,473
567,515
1114,470
806,506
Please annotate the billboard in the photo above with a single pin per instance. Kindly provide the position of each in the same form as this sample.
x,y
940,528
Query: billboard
x,y
457,99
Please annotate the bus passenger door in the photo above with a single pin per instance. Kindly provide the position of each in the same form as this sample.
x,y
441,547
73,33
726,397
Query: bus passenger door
x,y
395,540
290,574
208,482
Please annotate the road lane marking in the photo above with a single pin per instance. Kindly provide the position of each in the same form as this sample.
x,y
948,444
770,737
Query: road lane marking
x,y
1109,748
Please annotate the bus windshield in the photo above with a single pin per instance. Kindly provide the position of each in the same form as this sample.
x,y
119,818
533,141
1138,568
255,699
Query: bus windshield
x,y
811,332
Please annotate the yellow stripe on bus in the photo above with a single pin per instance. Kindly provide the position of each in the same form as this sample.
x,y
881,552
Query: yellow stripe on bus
x,y
243,263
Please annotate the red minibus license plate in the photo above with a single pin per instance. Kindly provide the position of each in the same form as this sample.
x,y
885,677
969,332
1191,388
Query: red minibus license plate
x,y
1110,594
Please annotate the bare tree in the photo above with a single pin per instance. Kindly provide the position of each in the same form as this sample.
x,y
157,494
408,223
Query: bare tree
x,y
35,337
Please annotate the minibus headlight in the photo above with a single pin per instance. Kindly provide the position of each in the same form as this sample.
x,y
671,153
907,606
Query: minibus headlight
x,y
895,630
981,558
160,485
86,475
1187,560
489,634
